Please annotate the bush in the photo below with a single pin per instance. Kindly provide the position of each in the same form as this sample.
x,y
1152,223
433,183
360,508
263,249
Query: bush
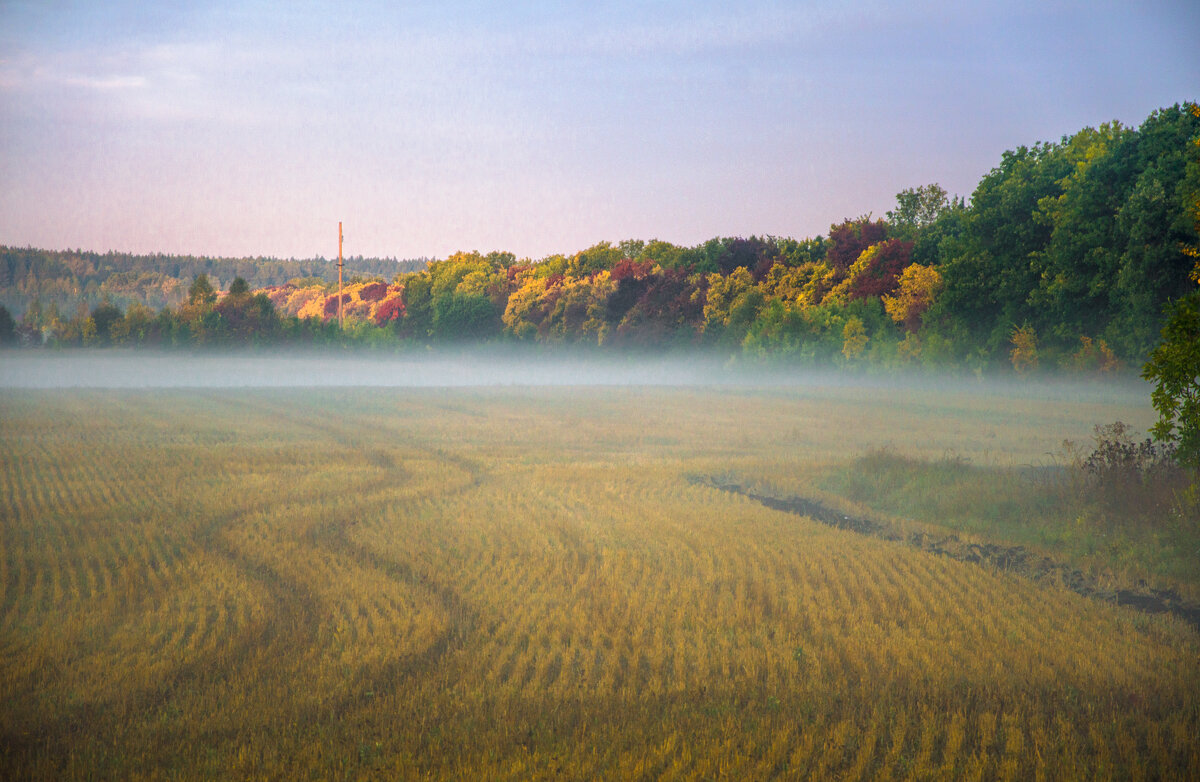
x,y
1137,481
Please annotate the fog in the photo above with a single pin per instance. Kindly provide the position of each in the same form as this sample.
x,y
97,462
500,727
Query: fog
x,y
128,369
483,367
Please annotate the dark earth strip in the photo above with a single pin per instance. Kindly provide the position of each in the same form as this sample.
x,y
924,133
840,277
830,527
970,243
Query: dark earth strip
x,y
1013,559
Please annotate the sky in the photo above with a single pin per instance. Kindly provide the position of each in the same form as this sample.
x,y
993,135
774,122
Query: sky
x,y
251,129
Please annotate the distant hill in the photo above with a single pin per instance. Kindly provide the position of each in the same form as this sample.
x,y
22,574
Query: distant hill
x,y
68,277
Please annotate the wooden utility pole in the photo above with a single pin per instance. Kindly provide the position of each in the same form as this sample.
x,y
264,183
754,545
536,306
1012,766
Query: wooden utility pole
x,y
340,323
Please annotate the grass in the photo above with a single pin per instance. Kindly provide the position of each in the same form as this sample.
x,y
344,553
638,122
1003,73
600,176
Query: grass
x,y
522,584
1058,509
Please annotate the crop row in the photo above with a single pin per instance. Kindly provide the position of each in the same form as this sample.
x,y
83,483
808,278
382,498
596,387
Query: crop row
x,y
463,586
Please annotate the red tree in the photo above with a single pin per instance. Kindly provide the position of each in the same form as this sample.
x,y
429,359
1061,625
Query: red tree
x,y
373,291
389,310
630,268
331,304
848,240
883,271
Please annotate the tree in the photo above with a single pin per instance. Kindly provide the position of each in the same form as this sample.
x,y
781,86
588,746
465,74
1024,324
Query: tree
x,y
104,316
418,306
848,240
992,265
1174,368
239,288
1024,352
464,317
917,208
723,292
918,287
877,269
201,292
8,327
854,338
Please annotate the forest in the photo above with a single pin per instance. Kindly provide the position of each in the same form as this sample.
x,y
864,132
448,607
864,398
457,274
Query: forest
x,y
1067,255
65,278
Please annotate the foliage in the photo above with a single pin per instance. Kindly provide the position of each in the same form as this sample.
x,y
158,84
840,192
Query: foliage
x,y
1093,356
8,326
201,292
877,270
463,317
239,287
1024,354
848,240
1174,368
917,287
917,209
854,339
105,316
389,310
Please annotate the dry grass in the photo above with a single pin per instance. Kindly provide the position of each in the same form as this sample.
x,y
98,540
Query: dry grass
x,y
522,584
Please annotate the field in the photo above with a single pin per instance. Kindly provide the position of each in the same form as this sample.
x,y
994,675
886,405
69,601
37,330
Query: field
x,y
528,583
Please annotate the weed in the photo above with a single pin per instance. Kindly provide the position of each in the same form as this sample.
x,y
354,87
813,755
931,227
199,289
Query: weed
x,y
1133,481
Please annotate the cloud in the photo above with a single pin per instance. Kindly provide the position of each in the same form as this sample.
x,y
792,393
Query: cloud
x,y
27,73
152,81
104,83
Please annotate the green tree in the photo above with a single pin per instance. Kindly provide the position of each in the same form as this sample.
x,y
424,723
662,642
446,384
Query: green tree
x,y
239,288
464,317
1174,368
1114,257
418,305
201,291
990,268
104,316
916,209
8,327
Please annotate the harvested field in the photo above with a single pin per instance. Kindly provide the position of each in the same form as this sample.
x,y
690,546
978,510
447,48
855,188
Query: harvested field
x,y
522,583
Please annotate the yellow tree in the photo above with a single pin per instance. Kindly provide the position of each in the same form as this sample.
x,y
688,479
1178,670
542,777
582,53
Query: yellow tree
x,y
1024,352
919,286
525,309
854,338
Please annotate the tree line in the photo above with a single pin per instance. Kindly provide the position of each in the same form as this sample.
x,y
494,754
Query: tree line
x,y
1067,254
67,278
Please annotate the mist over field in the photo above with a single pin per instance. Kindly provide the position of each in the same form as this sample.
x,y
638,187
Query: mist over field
x,y
123,369
118,369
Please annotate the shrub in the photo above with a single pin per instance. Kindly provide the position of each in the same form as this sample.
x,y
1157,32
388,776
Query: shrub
x,y
1138,481
1093,356
1024,352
